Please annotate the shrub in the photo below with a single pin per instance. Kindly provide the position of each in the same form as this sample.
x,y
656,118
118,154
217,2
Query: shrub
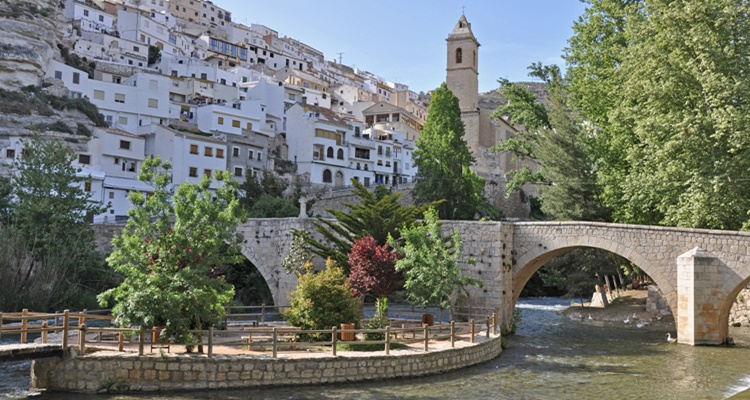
x,y
321,301
379,320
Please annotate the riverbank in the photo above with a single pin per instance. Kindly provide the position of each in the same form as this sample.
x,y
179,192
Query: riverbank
x,y
629,308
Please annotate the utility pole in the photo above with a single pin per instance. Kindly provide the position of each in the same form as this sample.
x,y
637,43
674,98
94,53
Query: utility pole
x,y
340,56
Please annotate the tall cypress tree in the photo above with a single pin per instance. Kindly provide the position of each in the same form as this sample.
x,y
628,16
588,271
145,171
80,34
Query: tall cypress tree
x,y
443,160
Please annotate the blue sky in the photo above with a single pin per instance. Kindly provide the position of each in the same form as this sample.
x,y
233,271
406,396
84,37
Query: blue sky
x,y
404,40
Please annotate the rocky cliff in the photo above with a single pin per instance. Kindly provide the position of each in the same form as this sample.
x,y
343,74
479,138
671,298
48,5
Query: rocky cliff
x,y
32,30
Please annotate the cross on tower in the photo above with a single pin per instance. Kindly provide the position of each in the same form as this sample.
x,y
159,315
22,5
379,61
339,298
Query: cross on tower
x,y
463,9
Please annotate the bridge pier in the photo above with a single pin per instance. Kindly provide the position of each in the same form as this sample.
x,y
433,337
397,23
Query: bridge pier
x,y
700,297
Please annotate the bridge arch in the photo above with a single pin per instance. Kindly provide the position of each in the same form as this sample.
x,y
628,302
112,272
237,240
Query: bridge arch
x,y
531,261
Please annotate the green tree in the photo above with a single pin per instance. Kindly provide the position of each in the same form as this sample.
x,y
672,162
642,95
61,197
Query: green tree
x,y
430,264
554,138
265,197
661,80
379,215
444,161
172,251
154,54
322,300
49,217
6,189
299,254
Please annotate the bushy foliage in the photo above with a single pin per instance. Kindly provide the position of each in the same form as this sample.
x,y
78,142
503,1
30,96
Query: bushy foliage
x,y
378,215
379,320
267,197
322,300
373,268
430,264
172,251
299,255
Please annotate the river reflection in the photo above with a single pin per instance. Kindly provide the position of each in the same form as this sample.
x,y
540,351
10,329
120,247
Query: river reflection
x,y
550,357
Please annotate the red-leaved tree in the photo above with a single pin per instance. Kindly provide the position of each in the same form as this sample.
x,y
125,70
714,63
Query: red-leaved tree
x,y
373,268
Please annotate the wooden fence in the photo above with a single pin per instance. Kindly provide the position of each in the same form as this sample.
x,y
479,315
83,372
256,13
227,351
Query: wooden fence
x,y
402,331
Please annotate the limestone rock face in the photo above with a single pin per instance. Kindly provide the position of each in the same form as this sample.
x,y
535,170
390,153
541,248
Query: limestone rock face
x,y
31,30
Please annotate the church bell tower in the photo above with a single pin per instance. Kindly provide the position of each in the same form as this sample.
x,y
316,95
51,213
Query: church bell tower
x,y
463,77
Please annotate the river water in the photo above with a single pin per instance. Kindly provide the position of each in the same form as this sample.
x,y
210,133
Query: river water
x,y
550,357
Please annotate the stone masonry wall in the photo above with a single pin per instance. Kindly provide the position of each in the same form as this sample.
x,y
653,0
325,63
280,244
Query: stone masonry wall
x,y
740,313
129,373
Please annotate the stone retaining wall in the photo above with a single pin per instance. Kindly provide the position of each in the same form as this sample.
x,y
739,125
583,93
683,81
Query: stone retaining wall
x,y
129,373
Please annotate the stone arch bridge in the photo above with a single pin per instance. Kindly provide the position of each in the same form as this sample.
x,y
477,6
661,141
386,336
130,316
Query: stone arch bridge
x,y
699,272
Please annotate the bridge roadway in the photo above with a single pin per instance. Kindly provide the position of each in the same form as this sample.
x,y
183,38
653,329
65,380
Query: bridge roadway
x,y
29,351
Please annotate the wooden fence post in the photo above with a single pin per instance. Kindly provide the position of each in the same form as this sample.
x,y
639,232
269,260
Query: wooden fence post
x,y
24,324
66,329
453,334
275,341
82,339
472,330
141,336
426,336
121,340
488,326
263,312
45,325
333,341
210,341
387,340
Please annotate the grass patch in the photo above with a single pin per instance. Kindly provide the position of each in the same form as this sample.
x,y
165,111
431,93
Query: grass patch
x,y
369,347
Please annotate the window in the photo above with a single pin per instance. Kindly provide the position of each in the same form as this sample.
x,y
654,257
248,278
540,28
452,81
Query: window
x,y
340,154
327,176
237,171
207,172
153,103
85,13
193,149
119,98
260,154
58,74
193,172
87,187
219,153
249,126
459,56
84,159
125,145
235,123
329,153
235,151
76,77
98,95
208,151
10,153
136,49
122,120
221,121
111,195
101,18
